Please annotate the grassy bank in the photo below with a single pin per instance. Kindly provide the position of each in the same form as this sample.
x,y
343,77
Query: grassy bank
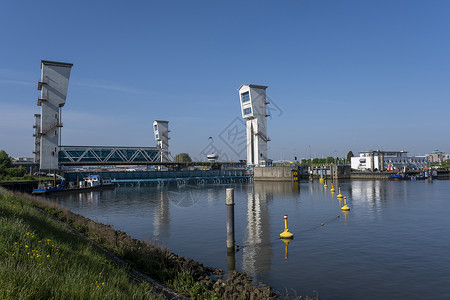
x,y
42,260
45,260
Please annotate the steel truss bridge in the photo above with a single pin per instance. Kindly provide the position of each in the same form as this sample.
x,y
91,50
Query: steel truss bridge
x,y
104,155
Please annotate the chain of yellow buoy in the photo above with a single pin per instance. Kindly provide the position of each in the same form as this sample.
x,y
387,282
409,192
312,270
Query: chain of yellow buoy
x,y
340,195
345,207
286,234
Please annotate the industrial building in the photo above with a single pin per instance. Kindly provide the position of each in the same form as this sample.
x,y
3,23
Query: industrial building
x,y
387,160
253,107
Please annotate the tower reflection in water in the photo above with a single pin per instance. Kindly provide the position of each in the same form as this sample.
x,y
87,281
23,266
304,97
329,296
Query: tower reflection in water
x,y
161,216
258,250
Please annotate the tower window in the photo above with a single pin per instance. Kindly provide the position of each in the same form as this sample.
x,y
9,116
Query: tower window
x,y
156,127
245,97
247,111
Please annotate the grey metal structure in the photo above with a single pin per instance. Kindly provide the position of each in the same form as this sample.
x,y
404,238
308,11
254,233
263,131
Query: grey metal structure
x,y
106,155
53,86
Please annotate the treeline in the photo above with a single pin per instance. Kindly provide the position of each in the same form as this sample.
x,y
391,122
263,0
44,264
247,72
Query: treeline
x,y
6,169
323,161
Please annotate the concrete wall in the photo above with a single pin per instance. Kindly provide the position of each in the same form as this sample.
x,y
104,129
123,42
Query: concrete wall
x,y
272,173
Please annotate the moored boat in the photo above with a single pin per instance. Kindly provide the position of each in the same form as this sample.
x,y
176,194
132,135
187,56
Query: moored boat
x,y
399,176
90,183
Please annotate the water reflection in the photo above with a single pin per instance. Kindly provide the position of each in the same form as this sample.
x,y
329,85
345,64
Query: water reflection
x,y
286,246
161,218
258,251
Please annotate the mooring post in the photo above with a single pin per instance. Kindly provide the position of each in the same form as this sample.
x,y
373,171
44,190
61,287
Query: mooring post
x,y
231,260
230,219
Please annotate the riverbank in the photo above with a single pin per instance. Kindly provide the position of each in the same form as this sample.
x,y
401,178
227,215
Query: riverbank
x,y
50,252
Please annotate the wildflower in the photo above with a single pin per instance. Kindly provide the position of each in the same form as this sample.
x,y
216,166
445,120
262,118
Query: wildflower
x,y
48,255
26,246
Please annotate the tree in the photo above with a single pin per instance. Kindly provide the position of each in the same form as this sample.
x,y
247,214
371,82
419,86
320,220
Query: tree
x,y
349,156
5,160
182,158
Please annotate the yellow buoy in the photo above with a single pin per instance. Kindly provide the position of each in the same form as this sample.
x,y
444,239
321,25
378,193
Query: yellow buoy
x,y
286,234
325,185
332,189
321,180
340,195
345,207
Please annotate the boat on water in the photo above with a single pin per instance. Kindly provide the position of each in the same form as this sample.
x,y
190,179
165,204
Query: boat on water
x,y
90,183
399,176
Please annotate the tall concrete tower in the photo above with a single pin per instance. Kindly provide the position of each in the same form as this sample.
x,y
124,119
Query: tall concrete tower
x,y
161,130
253,106
53,86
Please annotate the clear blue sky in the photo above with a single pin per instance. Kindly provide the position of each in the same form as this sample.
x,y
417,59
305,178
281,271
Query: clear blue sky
x,y
345,75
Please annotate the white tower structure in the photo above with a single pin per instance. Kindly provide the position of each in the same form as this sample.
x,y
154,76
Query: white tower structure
x,y
53,86
253,105
161,130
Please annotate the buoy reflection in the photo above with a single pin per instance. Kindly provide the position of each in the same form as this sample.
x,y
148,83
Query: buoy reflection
x,y
286,246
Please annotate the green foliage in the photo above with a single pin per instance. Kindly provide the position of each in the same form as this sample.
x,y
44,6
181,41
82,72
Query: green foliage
x,y
349,156
5,160
16,172
6,171
183,158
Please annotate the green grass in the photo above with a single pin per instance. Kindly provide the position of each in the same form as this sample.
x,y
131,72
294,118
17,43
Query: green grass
x,y
42,260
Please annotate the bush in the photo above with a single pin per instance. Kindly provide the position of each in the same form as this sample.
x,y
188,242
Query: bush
x,y
16,172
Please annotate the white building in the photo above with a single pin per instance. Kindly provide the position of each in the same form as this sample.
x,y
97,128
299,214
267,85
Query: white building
x,y
53,86
387,160
253,106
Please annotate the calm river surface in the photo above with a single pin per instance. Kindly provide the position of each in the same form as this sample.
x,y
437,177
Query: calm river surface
x,y
394,243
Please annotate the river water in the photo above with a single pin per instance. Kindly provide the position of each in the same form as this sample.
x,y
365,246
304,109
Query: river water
x,y
394,243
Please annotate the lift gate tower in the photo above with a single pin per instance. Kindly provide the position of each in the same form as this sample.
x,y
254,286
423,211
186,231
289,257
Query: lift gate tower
x,y
161,131
53,86
253,106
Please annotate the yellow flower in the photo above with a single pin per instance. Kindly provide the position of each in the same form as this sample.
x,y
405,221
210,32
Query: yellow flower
x,y
48,255
26,246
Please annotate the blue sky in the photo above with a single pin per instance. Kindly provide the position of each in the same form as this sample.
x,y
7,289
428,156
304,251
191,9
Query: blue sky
x,y
342,75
